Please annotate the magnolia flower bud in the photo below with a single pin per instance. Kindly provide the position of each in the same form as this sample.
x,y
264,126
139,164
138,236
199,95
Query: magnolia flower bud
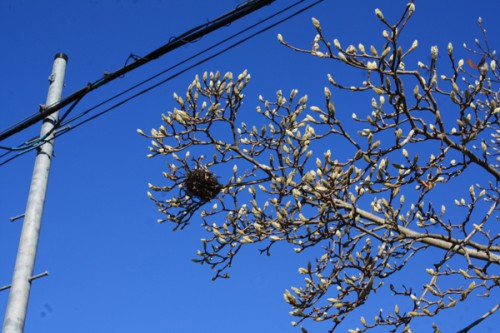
x,y
361,48
434,52
337,44
371,65
316,23
411,8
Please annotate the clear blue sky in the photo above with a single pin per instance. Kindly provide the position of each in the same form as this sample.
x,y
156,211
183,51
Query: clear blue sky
x,y
112,267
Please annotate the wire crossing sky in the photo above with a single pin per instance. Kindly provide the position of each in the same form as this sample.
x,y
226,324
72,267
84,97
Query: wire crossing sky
x,y
65,126
187,37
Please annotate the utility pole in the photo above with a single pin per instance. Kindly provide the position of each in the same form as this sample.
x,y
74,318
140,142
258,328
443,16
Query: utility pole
x,y
15,315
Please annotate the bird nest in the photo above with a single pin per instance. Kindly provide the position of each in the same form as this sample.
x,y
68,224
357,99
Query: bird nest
x,y
202,184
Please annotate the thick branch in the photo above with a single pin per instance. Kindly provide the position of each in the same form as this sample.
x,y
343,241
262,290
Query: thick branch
x,y
430,239
483,317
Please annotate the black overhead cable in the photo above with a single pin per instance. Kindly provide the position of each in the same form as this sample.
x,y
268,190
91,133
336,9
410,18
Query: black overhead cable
x,y
183,62
187,37
30,143
178,73
66,127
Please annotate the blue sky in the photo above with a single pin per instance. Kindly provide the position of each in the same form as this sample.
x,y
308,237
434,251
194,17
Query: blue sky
x,y
112,267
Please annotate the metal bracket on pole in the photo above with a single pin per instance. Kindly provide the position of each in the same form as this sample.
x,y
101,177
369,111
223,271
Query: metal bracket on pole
x,y
15,218
34,277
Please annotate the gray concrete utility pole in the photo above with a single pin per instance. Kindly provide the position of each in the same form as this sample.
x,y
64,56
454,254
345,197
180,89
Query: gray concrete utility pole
x,y
15,315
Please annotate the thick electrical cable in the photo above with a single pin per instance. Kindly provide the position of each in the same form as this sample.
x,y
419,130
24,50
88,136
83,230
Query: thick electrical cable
x,y
189,68
176,42
185,60
69,128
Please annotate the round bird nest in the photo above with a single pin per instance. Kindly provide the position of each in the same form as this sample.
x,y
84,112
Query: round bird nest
x,y
202,184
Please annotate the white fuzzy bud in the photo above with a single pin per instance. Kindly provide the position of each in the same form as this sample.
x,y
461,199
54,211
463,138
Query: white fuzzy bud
x,y
411,8
434,52
316,23
371,65
361,48
337,44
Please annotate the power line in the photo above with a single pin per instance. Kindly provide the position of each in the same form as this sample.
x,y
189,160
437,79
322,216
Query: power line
x,y
182,71
185,60
32,144
187,37
36,142
66,127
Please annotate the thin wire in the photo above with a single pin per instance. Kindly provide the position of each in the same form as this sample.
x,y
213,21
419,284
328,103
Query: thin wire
x,y
188,68
70,128
36,142
183,62
188,37
33,142
30,146
16,156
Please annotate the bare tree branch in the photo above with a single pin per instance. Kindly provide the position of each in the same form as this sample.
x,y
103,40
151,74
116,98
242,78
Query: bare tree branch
x,y
483,317
370,211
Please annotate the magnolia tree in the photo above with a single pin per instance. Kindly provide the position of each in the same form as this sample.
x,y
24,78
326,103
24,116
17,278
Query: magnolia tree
x,y
362,218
